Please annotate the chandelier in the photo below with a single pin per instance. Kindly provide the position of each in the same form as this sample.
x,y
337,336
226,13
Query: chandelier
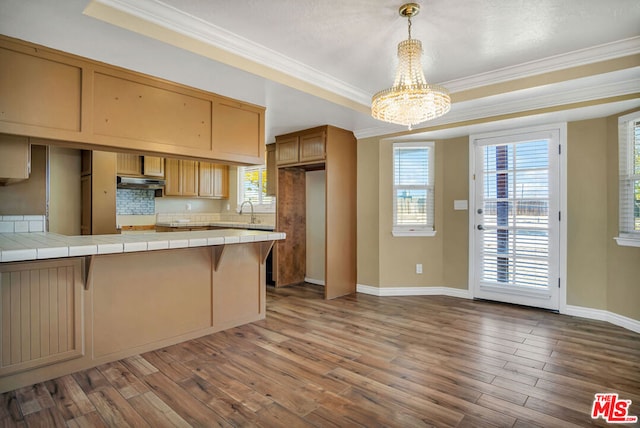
x,y
411,100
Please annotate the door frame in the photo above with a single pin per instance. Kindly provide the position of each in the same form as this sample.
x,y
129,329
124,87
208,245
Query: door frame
x,y
562,176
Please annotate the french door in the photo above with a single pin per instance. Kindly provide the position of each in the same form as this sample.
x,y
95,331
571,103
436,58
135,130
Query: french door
x,y
515,251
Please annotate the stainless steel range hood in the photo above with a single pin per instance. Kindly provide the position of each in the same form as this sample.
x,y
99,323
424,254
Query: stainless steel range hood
x,y
140,183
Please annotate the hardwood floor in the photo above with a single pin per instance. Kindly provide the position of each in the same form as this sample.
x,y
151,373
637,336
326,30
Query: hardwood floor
x,y
356,361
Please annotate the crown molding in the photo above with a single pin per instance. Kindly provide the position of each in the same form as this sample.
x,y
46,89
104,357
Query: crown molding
x,y
172,19
592,88
175,20
604,52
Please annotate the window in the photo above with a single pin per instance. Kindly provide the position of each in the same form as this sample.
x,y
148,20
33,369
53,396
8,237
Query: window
x,y
413,189
252,186
629,163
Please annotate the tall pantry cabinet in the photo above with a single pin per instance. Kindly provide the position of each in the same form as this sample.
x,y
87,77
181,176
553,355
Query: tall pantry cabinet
x,y
334,150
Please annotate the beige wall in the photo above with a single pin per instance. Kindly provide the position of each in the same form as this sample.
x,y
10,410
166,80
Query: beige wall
x,y
315,203
600,274
623,263
64,191
587,213
368,217
27,197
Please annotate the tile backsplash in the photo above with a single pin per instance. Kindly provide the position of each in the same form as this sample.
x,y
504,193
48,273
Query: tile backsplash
x,y
135,202
21,223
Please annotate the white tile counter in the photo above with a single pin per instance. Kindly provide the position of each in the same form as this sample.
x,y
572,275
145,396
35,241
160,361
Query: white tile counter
x,y
217,223
42,245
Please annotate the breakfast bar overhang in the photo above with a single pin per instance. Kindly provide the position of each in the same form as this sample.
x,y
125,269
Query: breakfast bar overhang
x,y
71,303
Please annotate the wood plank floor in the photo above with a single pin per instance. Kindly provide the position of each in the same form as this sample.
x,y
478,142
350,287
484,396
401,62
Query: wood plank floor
x,y
356,361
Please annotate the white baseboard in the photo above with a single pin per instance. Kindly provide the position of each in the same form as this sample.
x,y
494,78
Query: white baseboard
x,y
413,291
578,311
314,281
602,315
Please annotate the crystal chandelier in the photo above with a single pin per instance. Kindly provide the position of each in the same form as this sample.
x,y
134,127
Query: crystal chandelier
x,y
411,100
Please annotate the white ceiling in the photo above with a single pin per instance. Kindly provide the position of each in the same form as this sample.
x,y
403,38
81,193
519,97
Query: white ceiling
x,y
316,62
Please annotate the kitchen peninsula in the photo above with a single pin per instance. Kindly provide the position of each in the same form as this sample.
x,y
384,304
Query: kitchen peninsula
x,y
68,303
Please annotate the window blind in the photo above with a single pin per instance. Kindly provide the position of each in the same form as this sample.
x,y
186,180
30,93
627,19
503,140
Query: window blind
x,y
253,187
413,187
629,178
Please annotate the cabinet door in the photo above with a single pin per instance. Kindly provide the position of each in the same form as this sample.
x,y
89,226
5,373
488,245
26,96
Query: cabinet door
x,y
189,177
15,158
287,151
271,170
42,318
129,164
221,181
205,185
153,166
237,131
173,182
312,147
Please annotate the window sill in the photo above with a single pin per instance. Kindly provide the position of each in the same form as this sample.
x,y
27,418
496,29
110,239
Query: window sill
x,y
627,242
413,233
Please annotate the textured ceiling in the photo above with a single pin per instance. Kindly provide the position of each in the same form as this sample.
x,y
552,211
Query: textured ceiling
x,y
313,62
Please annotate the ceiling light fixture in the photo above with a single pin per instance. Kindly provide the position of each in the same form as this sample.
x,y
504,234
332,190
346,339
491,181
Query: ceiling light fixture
x,y
411,100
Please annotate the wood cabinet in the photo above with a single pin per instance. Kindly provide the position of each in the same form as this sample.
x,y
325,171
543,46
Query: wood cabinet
x,y
213,180
152,166
15,158
98,193
42,319
301,148
59,96
333,150
129,165
181,177
132,165
272,170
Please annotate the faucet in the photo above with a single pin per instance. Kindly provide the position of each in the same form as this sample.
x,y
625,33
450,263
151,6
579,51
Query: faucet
x,y
253,217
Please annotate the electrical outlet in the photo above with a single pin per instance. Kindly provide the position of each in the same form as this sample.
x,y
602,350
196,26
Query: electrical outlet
x,y
419,268
188,207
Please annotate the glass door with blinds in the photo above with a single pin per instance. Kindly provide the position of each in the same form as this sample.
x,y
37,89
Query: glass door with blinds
x,y
515,236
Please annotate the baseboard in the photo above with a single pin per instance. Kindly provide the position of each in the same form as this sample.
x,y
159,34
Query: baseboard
x,y
577,311
602,315
413,291
314,281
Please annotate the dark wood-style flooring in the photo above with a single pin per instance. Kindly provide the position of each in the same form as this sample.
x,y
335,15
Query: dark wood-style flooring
x,y
356,361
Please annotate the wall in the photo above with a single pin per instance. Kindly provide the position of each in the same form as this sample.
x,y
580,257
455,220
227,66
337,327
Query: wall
x,y
135,202
623,263
315,203
600,274
587,213
64,190
368,215
27,197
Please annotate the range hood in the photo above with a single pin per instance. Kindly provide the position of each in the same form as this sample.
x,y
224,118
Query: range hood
x,y
139,183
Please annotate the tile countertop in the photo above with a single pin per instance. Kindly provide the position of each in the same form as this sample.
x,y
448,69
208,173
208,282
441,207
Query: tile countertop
x,y
16,247
217,223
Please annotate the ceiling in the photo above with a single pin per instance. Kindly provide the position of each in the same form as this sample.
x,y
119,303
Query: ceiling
x,y
315,62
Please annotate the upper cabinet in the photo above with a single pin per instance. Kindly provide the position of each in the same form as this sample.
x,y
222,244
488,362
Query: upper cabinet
x,y
202,179
131,165
301,148
152,166
15,158
213,180
56,95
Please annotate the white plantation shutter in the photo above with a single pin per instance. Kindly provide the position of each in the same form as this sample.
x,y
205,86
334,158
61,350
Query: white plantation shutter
x,y
413,189
252,186
629,179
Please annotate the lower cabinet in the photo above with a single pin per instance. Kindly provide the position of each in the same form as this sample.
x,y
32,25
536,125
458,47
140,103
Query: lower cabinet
x,y
41,322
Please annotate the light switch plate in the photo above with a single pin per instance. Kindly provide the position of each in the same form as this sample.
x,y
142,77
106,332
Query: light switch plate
x,y
460,205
